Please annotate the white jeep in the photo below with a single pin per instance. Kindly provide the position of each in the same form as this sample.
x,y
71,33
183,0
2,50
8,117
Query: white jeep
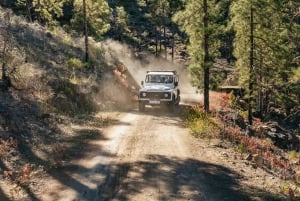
x,y
159,88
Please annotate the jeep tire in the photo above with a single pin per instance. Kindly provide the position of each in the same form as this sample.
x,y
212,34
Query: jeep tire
x,y
172,105
141,106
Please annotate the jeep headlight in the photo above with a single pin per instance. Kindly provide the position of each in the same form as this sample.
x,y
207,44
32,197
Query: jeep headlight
x,y
166,95
144,94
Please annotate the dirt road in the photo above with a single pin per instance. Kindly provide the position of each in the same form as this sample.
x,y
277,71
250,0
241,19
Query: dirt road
x,y
151,156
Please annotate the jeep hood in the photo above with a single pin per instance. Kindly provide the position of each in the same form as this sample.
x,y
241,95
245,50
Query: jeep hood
x,y
156,88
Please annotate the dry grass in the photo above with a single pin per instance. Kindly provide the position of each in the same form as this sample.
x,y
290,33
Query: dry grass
x,y
201,123
219,101
6,146
261,151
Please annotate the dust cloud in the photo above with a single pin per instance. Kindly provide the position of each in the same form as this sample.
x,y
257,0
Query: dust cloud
x,y
139,62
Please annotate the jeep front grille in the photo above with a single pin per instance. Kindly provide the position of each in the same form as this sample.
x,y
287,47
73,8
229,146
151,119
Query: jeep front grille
x,y
156,95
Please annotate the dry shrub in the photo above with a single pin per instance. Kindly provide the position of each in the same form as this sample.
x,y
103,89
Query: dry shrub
x,y
19,176
8,174
264,153
25,173
201,124
71,100
219,100
28,76
7,145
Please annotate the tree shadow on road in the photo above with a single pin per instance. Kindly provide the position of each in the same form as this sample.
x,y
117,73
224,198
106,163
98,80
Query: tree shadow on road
x,y
2,195
177,179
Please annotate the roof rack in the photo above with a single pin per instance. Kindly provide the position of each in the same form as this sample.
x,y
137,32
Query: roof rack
x,y
171,71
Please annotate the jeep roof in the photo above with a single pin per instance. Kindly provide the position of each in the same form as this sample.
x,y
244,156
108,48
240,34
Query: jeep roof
x,y
162,72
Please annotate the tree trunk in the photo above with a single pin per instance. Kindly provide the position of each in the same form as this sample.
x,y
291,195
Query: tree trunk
x,y
160,39
86,39
6,83
4,61
156,42
28,7
165,42
261,87
251,77
206,57
164,30
173,45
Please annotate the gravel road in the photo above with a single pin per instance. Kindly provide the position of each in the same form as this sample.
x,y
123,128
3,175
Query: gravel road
x,y
152,157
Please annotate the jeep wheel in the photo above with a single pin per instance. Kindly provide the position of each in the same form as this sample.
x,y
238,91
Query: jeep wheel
x,y
172,106
141,107
178,100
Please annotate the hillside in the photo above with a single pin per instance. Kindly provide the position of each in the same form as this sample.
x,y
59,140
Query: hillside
x,y
50,89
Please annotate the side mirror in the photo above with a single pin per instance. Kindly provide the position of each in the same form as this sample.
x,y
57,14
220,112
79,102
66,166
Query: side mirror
x,y
176,84
142,83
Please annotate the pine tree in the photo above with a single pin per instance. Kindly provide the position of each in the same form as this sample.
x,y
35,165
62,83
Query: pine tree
x,y
97,14
27,4
198,21
159,13
91,17
155,11
121,21
273,46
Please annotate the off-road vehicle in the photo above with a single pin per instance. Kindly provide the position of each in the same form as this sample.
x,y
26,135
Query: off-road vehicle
x,y
159,88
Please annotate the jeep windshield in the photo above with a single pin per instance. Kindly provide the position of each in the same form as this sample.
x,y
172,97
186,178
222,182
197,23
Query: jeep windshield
x,y
159,79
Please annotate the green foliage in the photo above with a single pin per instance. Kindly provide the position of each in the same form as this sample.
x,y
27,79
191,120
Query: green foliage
x,y
242,148
295,78
97,53
293,154
98,13
201,124
45,10
66,90
276,46
191,22
74,63
216,79
243,113
286,101
122,19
